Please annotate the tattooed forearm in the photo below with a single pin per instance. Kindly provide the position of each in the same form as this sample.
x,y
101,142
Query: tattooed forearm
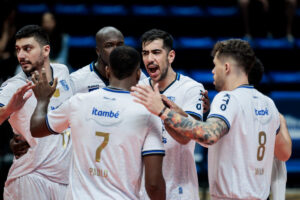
x,y
207,132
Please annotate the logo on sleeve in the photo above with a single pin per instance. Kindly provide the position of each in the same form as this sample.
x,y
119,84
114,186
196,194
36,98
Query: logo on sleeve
x,y
93,87
64,85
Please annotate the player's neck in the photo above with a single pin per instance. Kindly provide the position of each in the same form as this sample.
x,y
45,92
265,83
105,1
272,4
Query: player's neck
x,y
124,84
100,68
236,81
166,81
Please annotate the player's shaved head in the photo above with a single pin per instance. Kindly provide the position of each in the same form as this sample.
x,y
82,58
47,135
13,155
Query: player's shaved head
x,y
107,33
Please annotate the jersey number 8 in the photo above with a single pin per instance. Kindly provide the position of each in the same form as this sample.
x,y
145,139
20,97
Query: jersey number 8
x,y
262,139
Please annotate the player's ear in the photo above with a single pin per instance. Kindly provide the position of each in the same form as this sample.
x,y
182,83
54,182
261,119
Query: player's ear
x,y
107,71
227,67
138,74
46,50
97,51
171,56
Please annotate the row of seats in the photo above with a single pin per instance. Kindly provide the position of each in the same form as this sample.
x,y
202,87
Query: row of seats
x,y
194,42
117,10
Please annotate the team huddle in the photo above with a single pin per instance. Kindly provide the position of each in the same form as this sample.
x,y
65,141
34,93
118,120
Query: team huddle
x,y
106,131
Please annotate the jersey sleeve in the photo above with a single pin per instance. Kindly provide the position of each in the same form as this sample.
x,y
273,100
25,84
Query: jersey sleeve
x,y
193,104
225,107
58,120
73,82
153,144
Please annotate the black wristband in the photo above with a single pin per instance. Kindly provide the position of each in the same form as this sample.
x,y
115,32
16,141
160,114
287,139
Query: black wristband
x,y
162,111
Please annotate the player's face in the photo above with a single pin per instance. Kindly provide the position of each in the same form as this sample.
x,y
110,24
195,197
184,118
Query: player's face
x,y
157,59
109,43
30,54
219,73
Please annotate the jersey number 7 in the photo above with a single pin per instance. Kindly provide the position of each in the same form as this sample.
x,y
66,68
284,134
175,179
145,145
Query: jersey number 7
x,y
102,145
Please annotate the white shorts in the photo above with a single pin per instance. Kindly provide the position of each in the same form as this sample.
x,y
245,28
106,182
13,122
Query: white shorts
x,y
278,180
34,187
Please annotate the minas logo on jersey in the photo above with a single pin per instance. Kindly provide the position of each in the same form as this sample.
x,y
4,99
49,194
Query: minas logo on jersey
x,y
104,113
261,112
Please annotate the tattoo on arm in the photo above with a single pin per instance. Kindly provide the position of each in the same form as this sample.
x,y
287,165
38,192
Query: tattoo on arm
x,y
208,132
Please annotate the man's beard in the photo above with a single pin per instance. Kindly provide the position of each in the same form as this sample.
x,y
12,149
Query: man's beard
x,y
35,66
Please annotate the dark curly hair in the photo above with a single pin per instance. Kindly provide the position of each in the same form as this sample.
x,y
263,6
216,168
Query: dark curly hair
x,y
238,49
123,61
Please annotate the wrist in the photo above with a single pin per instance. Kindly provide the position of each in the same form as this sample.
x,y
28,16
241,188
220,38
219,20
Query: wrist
x,y
164,113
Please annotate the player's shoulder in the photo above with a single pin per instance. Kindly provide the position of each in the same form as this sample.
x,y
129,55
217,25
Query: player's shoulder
x,y
15,81
188,81
80,73
59,69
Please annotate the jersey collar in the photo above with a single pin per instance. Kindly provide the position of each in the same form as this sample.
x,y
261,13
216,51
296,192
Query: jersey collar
x,y
92,68
246,86
116,90
177,78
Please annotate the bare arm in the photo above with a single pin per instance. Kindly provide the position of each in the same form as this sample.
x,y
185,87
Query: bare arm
x,y
16,102
154,180
43,92
178,137
208,132
283,142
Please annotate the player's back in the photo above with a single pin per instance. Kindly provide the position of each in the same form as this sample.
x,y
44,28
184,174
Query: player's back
x,y
110,134
240,163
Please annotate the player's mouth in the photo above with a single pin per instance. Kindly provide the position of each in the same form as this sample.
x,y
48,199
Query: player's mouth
x,y
153,70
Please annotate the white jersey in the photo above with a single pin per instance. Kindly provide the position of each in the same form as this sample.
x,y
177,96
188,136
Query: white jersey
x,y
240,163
179,167
88,79
278,180
110,134
50,156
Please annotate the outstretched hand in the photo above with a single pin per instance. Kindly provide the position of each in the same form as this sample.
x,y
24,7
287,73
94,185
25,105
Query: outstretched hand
x,y
145,95
19,98
42,89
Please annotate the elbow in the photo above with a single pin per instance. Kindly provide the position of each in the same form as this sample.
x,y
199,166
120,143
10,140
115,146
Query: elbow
x,y
156,191
283,155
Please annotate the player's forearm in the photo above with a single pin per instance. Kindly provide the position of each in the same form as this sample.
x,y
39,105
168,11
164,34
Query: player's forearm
x,y
157,191
4,114
38,127
203,132
283,143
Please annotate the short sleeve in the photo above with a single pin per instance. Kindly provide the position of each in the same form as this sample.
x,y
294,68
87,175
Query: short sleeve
x,y
193,104
58,120
225,107
73,82
153,144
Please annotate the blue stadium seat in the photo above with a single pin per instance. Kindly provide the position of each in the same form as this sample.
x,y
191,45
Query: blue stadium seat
x,y
71,9
151,10
82,41
195,43
227,11
33,8
116,10
190,11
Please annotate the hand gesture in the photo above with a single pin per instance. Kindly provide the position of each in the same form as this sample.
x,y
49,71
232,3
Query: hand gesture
x,y
18,99
170,104
206,103
149,98
42,89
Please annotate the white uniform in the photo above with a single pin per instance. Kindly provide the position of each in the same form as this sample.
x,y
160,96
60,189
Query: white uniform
x,y
110,134
179,165
240,163
278,180
88,79
47,158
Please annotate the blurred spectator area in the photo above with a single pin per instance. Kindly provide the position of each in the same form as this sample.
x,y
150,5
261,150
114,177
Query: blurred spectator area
x,y
195,26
